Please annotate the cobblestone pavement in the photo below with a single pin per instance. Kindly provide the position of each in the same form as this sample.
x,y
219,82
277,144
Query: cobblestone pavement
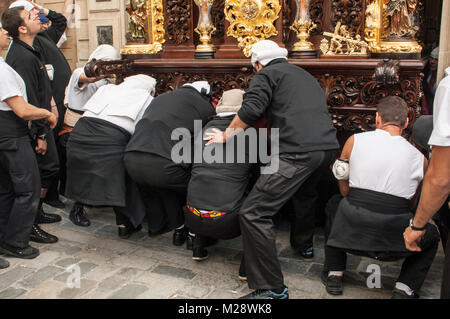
x,y
151,267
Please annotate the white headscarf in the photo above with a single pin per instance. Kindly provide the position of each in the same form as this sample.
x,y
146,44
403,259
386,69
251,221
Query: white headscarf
x,y
104,52
435,53
266,50
22,3
199,85
126,99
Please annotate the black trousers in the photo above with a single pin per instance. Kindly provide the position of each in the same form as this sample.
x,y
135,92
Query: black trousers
x,y
163,187
269,194
414,268
304,206
49,163
19,193
59,182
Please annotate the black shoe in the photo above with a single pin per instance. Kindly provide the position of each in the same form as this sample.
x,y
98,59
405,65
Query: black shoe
x,y
25,253
38,235
190,242
57,203
46,218
333,284
179,236
126,231
199,254
4,263
78,217
400,294
267,294
307,254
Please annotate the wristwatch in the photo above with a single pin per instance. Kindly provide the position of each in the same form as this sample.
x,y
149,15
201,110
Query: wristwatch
x,y
411,224
42,137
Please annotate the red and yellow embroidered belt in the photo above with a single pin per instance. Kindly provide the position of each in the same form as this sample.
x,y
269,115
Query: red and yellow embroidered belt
x,y
210,214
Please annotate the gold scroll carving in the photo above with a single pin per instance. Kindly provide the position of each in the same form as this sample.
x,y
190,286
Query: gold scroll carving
x,y
388,26
150,27
251,21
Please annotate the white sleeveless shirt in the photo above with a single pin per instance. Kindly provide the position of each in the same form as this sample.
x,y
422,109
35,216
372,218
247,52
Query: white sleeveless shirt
x,y
385,163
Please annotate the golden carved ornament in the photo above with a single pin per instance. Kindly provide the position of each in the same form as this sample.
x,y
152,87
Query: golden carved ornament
x,y
251,21
373,32
155,25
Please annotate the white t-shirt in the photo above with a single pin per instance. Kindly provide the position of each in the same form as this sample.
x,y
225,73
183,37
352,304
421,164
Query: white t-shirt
x,y
385,163
75,96
11,84
441,114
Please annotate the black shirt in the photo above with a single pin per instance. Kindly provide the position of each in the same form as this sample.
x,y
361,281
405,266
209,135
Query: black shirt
x,y
295,104
28,63
46,42
220,186
167,112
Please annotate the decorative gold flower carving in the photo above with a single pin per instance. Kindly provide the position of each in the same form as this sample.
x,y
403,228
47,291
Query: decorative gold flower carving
x,y
251,21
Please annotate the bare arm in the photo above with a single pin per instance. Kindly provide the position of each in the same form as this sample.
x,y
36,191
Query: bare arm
x,y
344,186
29,112
435,190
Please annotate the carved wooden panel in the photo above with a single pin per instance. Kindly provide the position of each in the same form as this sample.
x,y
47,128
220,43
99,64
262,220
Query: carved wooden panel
x,y
350,13
218,17
178,15
316,13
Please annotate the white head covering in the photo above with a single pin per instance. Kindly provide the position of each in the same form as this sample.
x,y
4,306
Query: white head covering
x,y
104,52
435,53
22,3
199,85
266,50
447,71
231,101
126,99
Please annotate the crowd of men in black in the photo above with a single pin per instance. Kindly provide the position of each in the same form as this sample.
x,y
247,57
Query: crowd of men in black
x,y
115,144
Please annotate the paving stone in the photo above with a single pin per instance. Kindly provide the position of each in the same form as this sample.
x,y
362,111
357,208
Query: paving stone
x,y
45,257
196,291
294,266
167,286
223,281
10,293
71,293
140,262
40,276
66,262
93,227
223,294
63,248
129,272
98,256
174,272
102,272
112,283
48,289
130,291
12,275
86,267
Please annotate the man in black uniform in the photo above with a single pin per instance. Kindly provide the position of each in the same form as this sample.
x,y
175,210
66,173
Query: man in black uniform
x,y
46,42
296,108
26,60
148,159
19,173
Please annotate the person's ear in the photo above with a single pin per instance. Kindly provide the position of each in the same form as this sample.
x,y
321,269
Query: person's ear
x,y
406,123
23,29
377,119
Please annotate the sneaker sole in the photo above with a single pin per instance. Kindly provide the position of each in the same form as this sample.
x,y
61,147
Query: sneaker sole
x,y
242,278
199,258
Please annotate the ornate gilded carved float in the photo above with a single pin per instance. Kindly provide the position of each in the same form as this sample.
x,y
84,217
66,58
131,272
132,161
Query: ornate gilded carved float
x,y
169,49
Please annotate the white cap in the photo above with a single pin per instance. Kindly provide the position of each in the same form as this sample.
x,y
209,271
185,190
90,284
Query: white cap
x,y
266,50
435,53
22,3
104,52
199,85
